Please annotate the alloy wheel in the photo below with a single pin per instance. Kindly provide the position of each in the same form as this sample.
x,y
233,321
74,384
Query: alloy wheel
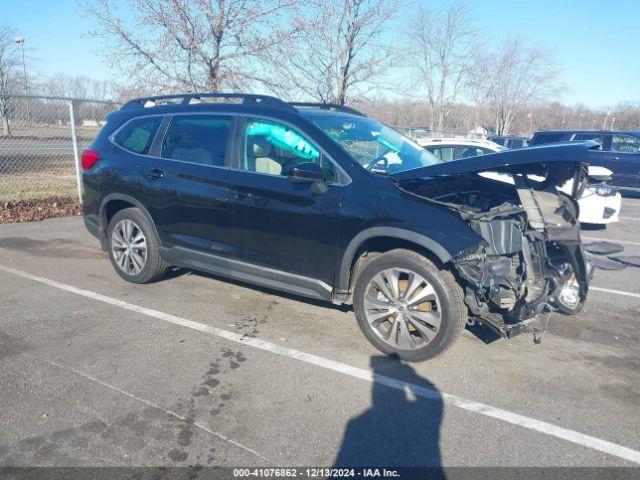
x,y
129,247
402,308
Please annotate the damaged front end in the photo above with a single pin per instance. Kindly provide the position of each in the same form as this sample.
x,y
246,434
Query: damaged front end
x,y
531,261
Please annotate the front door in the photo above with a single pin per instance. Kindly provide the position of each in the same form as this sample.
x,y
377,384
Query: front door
x,y
279,224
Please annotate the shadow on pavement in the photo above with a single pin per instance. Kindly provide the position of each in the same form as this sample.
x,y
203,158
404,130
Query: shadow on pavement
x,y
399,429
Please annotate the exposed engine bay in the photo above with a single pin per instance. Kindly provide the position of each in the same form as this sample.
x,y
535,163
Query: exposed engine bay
x,y
531,261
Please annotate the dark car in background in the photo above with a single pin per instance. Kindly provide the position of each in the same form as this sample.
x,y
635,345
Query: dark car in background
x,y
509,141
619,151
320,201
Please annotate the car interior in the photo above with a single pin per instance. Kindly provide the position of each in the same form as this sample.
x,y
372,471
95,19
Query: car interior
x,y
201,141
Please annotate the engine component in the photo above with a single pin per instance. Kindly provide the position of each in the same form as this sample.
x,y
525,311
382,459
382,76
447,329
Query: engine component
x,y
503,235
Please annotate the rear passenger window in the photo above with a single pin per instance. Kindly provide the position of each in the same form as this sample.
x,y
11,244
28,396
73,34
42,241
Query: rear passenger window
x,y
137,135
468,152
200,139
442,153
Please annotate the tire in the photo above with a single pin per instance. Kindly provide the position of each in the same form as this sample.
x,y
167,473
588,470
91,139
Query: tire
x,y
420,326
153,268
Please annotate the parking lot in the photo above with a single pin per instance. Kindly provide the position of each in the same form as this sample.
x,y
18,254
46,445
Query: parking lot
x,y
197,370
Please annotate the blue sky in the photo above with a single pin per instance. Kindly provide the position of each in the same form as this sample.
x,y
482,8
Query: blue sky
x,y
595,42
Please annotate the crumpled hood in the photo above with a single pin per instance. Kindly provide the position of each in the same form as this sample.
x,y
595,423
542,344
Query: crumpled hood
x,y
531,160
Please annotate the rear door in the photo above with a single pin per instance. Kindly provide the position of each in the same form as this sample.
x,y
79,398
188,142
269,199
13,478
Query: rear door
x,y
184,182
279,224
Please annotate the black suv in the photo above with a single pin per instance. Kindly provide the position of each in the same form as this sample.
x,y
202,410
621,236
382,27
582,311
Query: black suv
x,y
321,201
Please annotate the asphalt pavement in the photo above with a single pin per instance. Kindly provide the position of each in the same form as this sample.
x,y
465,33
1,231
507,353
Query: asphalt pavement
x,y
200,370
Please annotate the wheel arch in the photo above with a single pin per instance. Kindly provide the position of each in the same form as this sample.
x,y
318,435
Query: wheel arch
x,y
385,239
113,203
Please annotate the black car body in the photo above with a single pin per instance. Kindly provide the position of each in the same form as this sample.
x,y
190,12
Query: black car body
x,y
315,229
619,151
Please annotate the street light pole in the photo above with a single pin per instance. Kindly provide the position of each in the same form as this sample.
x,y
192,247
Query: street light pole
x,y
20,41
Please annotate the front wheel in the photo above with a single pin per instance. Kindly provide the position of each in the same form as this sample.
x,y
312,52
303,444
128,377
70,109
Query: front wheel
x,y
407,307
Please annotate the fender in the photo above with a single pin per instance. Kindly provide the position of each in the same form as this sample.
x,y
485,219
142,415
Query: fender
x,y
129,199
347,258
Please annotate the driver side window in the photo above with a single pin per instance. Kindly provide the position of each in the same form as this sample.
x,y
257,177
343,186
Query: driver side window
x,y
272,148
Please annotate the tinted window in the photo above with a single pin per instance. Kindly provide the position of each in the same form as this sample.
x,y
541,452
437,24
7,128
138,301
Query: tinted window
x,y
274,149
517,143
547,138
625,144
137,135
444,153
200,139
596,137
467,152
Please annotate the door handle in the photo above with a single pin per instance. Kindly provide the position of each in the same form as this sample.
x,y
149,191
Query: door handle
x,y
241,195
156,173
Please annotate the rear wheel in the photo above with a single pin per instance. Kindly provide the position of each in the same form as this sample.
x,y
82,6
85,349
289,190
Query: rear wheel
x,y
406,306
133,248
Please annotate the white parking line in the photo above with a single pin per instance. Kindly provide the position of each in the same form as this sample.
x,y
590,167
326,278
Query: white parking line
x,y
359,373
617,292
630,218
611,240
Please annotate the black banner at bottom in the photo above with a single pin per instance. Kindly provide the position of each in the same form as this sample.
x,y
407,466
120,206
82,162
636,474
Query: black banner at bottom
x,y
403,473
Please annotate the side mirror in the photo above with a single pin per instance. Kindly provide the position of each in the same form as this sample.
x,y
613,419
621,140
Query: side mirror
x,y
306,172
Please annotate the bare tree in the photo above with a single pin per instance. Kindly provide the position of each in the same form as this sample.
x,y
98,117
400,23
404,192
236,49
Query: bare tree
x,y
189,44
337,53
79,86
9,63
517,77
443,42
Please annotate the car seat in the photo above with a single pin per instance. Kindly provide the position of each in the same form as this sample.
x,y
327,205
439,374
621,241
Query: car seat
x,y
259,157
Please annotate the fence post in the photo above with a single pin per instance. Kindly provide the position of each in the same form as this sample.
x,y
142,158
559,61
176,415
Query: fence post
x,y
76,157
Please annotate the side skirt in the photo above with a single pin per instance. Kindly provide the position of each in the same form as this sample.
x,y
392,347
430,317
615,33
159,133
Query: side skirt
x,y
247,272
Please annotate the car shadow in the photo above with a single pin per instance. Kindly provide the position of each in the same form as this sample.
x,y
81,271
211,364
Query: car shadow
x,y
483,333
400,428
592,226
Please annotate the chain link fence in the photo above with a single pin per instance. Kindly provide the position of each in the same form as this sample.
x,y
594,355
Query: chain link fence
x,y
41,141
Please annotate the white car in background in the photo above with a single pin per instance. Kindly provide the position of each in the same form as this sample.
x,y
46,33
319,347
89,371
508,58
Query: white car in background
x,y
599,204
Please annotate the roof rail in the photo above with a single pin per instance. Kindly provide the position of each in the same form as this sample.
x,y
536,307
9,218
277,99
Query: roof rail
x,y
187,98
328,106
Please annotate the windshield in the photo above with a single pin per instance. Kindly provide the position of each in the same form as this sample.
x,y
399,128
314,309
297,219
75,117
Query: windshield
x,y
378,148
